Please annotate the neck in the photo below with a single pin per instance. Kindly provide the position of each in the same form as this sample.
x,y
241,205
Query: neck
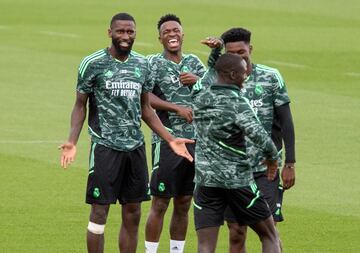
x,y
224,80
173,56
121,56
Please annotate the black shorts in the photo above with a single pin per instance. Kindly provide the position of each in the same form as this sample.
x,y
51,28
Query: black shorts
x,y
116,175
272,192
172,175
210,203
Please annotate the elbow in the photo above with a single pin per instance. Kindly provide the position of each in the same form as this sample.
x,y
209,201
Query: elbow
x,y
146,114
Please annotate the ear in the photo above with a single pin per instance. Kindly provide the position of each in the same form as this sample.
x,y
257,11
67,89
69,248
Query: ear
x,y
232,75
109,33
251,48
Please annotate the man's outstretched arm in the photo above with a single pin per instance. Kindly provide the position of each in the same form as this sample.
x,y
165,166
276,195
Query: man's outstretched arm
x,y
216,45
152,120
159,104
78,115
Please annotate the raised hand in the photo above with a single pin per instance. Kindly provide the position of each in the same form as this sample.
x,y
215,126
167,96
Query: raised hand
x,y
212,42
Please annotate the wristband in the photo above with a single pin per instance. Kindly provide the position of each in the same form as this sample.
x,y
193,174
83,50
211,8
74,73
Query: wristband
x,y
289,166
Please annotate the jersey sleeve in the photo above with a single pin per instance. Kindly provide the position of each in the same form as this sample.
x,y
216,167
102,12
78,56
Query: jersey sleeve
x,y
149,83
246,120
214,55
280,94
209,76
203,83
86,75
200,68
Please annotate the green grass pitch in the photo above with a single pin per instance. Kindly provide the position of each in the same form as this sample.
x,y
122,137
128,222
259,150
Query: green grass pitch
x,y
315,45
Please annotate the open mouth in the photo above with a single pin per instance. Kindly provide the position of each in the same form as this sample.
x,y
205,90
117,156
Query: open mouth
x,y
173,43
124,44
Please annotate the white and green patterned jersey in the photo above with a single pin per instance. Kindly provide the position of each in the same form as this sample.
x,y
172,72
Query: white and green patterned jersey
x,y
222,119
167,86
114,89
265,89
210,75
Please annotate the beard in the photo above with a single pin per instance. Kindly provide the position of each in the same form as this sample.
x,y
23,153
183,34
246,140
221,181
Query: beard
x,y
120,50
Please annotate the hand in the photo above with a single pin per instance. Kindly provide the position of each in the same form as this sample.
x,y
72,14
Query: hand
x,y
187,78
212,42
178,146
185,113
68,153
288,175
272,167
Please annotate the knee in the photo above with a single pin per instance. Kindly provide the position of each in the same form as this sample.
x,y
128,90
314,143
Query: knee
x,y
272,236
182,205
99,214
133,210
237,233
159,206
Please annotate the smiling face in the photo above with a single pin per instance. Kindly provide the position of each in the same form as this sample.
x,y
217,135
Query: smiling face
x,y
171,36
122,34
240,48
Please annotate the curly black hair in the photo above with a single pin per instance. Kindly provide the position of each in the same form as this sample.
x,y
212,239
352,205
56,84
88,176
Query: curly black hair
x,y
236,34
166,18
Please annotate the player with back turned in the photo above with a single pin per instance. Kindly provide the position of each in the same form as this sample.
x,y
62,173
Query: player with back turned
x,y
223,175
266,91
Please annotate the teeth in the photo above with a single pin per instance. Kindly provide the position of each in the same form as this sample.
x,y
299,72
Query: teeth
x,y
124,44
172,40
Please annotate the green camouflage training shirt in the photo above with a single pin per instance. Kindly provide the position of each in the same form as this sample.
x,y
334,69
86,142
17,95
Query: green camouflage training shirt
x,y
222,118
265,89
210,75
167,86
114,89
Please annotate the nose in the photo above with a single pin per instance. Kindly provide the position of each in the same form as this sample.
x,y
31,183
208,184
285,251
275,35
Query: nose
x,y
172,32
125,36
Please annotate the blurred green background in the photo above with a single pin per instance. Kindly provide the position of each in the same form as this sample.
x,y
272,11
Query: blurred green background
x,y
314,44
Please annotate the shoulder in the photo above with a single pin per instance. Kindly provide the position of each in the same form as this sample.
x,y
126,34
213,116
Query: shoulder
x,y
270,72
90,59
138,57
94,56
153,58
192,57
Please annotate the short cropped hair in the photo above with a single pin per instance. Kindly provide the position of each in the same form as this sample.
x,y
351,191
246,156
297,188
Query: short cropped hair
x,y
166,18
229,62
122,16
236,34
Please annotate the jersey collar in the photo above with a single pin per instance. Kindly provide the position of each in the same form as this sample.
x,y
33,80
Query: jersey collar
x,y
177,64
112,57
